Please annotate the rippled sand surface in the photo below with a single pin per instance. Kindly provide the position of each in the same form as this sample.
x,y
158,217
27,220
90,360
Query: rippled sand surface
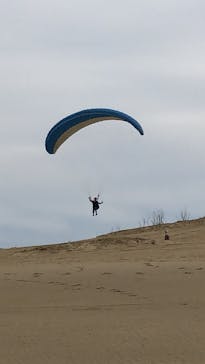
x,y
125,297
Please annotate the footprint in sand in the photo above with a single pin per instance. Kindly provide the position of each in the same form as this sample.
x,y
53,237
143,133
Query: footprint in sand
x,y
8,274
129,294
116,290
139,273
200,268
37,274
100,288
132,295
57,283
76,285
66,274
106,273
80,269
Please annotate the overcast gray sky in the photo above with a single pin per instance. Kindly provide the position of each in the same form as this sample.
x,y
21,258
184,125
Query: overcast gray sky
x,y
145,58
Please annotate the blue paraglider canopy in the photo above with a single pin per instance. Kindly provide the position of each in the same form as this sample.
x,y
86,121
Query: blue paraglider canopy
x,y
72,123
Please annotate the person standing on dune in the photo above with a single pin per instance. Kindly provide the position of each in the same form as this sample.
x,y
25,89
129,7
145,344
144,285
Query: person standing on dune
x,y
166,235
95,203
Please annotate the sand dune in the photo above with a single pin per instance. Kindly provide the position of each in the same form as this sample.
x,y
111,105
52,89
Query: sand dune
x,y
125,297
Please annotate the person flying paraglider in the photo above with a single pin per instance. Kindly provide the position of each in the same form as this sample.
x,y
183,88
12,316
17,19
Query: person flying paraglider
x,y
71,124
95,203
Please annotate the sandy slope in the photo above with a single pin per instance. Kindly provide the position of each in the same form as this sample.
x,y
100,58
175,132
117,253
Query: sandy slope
x,y
126,297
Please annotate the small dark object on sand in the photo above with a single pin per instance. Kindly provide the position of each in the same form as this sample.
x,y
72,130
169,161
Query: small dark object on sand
x,y
166,235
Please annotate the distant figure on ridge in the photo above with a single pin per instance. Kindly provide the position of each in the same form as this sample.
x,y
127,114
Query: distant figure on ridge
x,y
166,235
95,203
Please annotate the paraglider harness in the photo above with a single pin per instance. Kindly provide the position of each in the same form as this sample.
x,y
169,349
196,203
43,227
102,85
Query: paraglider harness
x,y
95,205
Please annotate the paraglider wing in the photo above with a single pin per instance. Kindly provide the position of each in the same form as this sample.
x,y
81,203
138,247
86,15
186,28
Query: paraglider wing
x,y
72,123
